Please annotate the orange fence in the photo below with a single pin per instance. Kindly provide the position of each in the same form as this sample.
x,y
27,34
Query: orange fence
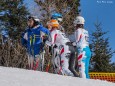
x,y
103,76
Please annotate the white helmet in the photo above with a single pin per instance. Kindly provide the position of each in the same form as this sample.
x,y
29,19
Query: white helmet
x,y
36,19
79,20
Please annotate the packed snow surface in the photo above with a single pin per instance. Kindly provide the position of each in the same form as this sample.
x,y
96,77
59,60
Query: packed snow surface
x,y
22,77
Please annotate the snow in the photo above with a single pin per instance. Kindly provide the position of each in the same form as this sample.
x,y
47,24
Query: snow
x,y
23,77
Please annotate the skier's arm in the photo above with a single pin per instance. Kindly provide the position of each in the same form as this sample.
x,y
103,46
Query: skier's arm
x,y
44,34
45,30
24,40
25,36
52,39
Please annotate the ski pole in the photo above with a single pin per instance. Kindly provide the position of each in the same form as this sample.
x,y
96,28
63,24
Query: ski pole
x,y
48,66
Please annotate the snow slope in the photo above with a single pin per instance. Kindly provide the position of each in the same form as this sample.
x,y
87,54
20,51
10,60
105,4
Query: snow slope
x,y
22,77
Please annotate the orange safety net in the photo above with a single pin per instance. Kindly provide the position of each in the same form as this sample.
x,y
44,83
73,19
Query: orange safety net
x,y
103,76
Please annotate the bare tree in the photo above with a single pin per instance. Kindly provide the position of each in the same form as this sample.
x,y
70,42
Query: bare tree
x,y
68,8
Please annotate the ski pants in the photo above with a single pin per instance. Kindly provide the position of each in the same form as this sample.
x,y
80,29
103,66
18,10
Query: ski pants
x,y
34,62
64,55
72,61
84,55
68,59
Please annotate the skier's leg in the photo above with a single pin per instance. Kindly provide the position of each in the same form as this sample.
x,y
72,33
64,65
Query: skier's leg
x,y
65,61
38,56
87,68
72,62
72,58
36,62
88,56
81,64
65,66
39,61
42,60
31,62
55,60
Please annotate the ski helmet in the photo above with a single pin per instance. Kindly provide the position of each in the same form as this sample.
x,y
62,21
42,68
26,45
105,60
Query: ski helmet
x,y
79,20
57,16
35,19
54,23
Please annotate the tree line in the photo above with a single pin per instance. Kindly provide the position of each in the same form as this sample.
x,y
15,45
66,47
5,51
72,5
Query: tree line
x,y
13,16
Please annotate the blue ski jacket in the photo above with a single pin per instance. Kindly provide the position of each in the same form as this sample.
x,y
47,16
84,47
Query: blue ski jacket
x,y
34,42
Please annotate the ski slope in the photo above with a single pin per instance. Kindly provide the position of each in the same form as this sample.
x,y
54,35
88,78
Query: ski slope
x,y
22,77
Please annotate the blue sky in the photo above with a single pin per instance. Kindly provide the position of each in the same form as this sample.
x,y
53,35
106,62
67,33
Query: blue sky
x,y
104,11
91,10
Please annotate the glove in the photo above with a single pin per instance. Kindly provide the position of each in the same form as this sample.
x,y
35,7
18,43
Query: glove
x,y
45,38
55,46
74,43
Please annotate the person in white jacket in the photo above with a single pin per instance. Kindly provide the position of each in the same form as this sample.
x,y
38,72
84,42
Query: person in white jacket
x,y
82,46
66,50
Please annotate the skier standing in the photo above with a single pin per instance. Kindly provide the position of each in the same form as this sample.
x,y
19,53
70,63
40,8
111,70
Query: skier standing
x,y
34,42
82,46
59,18
66,50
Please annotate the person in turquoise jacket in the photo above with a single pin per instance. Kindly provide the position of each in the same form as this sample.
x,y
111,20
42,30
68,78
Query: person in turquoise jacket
x,y
82,46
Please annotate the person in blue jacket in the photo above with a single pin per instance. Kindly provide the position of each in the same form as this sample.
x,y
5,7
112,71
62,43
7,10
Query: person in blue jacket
x,y
33,39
